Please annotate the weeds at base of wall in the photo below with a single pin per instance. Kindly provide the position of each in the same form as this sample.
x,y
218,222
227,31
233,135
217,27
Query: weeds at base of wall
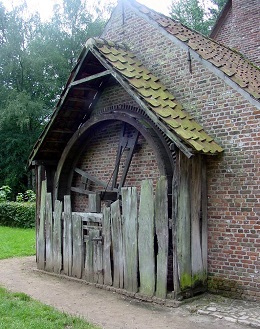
x,y
17,214
225,287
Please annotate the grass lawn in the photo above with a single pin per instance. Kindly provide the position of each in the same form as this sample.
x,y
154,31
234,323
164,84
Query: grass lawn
x,y
16,242
18,310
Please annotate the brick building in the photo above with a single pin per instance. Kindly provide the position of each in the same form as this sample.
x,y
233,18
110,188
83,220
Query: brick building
x,y
238,27
190,109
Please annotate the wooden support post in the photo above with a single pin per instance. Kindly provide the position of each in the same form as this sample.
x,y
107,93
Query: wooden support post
x,y
204,224
146,239
40,176
183,222
106,228
41,248
57,237
129,219
67,236
77,247
196,251
48,230
94,203
117,243
162,233
175,193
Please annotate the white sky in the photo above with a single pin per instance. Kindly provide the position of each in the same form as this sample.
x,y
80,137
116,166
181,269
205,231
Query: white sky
x,y
45,6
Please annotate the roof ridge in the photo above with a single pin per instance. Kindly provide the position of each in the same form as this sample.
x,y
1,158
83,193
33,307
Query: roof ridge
x,y
233,64
194,31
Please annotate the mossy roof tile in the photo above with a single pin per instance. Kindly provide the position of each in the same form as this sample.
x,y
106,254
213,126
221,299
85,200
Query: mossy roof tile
x,y
229,61
156,97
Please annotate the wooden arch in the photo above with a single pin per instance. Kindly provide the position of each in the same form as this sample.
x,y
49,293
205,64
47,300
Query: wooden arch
x,y
124,113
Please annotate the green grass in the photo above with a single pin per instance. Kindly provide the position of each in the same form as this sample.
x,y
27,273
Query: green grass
x,y
18,310
16,242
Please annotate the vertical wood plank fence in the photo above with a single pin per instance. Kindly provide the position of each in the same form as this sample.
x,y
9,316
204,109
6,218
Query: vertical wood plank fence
x,y
128,244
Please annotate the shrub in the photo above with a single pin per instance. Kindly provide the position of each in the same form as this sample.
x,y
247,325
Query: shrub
x,y
27,196
17,214
5,191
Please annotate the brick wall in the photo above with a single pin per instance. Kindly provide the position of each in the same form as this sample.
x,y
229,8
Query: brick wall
x,y
234,177
99,158
241,29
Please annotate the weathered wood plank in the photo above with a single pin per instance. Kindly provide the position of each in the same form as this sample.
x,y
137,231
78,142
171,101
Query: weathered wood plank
x,y
196,252
183,228
39,177
204,226
41,248
129,219
48,232
77,247
94,203
89,217
89,260
117,245
57,237
90,177
67,236
146,239
107,246
175,189
98,262
162,233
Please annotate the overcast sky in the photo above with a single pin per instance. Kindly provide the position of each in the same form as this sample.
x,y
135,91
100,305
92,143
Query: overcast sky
x,y
45,6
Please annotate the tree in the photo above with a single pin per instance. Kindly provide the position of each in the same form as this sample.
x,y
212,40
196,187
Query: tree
x,y
194,14
35,61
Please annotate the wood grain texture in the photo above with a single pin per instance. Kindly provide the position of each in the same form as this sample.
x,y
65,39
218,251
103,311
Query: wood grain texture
x,y
107,246
98,262
89,260
117,245
204,224
67,236
129,215
183,221
48,232
94,203
196,251
41,249
57,237
175,194
162,233
77,247
146,239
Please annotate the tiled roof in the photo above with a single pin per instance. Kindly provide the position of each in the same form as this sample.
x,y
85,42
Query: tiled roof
x,y
156,97
237,68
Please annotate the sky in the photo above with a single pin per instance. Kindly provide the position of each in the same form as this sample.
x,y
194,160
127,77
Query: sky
x,y
45,6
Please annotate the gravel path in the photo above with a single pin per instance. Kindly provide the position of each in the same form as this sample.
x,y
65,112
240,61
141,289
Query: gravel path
x,y
104,308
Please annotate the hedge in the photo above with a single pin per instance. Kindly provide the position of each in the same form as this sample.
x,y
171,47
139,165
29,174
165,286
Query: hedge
x,y
17,214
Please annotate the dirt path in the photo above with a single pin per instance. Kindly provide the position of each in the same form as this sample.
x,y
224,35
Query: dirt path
x,y
104,308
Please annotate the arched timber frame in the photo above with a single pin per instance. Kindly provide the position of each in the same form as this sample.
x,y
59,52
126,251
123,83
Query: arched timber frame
x,y
135,117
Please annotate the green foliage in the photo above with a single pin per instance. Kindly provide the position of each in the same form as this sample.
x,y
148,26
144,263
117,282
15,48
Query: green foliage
x,y
4,193
27,196
18,310
195,14
35,61
17,214
16,242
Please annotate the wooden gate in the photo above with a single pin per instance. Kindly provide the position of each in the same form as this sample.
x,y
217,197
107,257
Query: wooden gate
x,y
131,245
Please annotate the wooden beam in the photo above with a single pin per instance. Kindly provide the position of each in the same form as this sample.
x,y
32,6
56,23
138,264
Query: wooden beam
x,y
81,190
90,177
131,143
90,78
